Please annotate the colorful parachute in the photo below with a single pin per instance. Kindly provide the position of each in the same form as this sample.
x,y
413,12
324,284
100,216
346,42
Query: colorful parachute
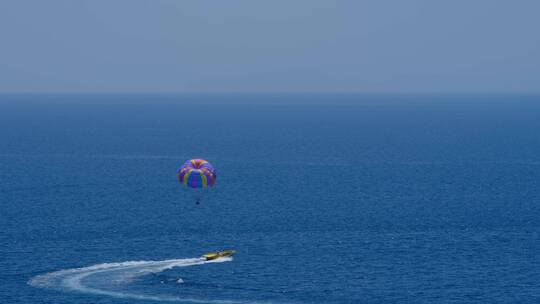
x,y
197,173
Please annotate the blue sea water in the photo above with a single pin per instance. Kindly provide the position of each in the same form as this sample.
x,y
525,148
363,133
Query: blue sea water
x,y
326,198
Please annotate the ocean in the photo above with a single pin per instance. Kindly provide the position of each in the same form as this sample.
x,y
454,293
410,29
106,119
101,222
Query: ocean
x,y
328,198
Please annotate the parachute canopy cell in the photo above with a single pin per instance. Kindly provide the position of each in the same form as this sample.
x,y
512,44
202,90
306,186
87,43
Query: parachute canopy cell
x,y
197,173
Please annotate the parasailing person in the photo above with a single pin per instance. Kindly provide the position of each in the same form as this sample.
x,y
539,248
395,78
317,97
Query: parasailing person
x,y
197,174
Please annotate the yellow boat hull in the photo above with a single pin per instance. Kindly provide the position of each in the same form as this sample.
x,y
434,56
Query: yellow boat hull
x,y
220,254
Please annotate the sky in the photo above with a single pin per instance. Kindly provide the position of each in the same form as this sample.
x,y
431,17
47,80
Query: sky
x,y
364,46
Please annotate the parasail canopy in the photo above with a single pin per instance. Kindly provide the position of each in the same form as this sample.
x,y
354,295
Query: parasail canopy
x,y
197,173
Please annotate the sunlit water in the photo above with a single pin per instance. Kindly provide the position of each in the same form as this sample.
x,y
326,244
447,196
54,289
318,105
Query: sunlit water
x,y
327,199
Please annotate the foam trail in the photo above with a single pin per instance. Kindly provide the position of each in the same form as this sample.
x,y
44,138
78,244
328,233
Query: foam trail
x,y
117,274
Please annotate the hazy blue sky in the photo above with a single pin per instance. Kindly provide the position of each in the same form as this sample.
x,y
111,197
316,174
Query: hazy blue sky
x,y
274,45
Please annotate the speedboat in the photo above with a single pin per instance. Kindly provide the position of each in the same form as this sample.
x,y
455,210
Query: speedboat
x,y
220,254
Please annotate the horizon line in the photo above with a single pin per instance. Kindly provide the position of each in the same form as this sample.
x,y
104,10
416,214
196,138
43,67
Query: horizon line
x,y
169,93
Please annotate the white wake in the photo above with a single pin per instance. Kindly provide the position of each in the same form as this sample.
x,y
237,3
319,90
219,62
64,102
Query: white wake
x,y
117,274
